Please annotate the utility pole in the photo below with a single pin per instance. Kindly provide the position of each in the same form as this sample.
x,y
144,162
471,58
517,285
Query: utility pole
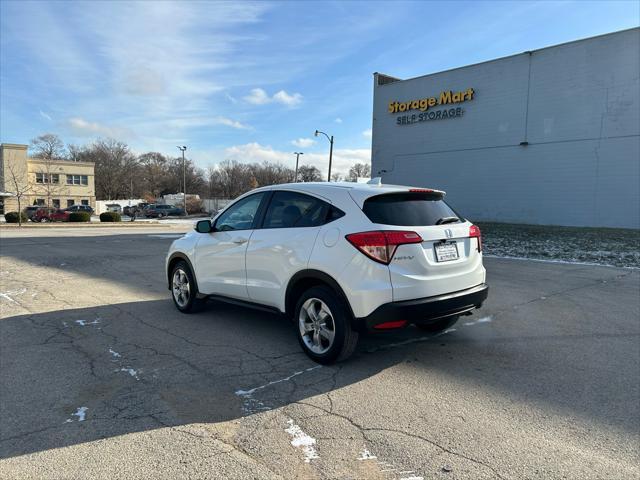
x,y
297,154
184,178
330,138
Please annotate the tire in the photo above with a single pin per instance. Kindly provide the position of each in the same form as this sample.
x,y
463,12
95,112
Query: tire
x,y
327,305
185,295
439,325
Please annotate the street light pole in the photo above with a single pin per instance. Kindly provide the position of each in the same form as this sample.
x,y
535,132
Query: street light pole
x,y
330,138
297,154
184,178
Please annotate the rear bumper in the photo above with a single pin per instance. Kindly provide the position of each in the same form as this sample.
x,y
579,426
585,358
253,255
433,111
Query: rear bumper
x,y
424,310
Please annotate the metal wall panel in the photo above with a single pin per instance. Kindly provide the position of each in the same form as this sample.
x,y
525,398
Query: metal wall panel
x,y
578,107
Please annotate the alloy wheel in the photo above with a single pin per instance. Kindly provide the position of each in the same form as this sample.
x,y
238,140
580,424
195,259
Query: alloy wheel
x,y
316,324
180,287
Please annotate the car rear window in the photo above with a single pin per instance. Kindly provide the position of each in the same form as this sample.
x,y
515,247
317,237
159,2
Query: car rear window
x,y
409,209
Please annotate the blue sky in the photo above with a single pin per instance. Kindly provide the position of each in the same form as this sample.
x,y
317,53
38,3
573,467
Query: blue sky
x,y
250,81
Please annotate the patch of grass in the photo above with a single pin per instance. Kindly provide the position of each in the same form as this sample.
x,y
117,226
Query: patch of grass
x,y
604,246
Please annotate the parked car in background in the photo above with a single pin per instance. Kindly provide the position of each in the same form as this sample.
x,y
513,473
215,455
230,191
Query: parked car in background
x,y
113,207
135,210
338,259
159,211
48,214
79,208
30,211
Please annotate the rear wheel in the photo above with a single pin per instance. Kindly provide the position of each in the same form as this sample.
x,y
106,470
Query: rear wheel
x,y
439,325
183,289
324,326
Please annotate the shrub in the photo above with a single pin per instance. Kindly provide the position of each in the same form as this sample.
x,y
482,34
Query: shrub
x,y
12,217
110,217
79,217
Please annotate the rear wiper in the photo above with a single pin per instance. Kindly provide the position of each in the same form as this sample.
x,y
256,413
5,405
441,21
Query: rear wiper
x,y
444,220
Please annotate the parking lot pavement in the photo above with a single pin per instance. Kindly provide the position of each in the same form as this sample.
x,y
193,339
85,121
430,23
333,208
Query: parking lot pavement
x,y
100,377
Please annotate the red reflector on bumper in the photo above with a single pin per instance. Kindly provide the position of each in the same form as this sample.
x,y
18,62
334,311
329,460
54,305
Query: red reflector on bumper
x,y
388,325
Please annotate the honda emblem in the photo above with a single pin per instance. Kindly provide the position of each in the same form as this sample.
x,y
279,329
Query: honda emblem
x,y
448,233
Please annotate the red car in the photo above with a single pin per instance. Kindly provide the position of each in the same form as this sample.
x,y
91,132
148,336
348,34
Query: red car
x,y
51,215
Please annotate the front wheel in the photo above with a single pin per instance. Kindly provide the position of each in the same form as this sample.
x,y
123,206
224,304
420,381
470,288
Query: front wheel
x,y
324,326
439,325
183,289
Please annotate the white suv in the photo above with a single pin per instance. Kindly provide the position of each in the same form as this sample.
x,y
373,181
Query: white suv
x,y
338,259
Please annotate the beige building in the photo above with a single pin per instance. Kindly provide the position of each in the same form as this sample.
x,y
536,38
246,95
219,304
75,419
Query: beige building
x,y
55,183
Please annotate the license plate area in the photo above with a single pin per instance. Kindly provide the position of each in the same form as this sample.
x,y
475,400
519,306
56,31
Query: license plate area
x,y
446,251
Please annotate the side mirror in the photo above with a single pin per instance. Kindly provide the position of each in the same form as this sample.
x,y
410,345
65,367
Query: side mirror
x,y
204,226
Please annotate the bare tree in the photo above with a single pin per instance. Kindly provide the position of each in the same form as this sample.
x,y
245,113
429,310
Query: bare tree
x,y
337,177
47,146
153,168
114,163
20,185
309,173
359,170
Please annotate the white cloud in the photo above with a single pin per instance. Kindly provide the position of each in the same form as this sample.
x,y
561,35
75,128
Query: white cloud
x,y
199,122
367,133
286,99
84,128
232,123
343,158
303,142
258,96
338,120
45,115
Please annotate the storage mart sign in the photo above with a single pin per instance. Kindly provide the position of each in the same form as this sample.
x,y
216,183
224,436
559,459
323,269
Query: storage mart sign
x,y
422,105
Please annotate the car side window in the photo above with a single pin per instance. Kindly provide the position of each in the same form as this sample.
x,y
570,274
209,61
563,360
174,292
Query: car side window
x,y
294,210
241,215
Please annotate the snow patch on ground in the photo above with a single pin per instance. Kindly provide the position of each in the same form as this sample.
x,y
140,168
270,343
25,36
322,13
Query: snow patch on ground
x,y
299,439
115,354
366,455
84,323
81,413
244,393
251,405
130,371
9,294
480,320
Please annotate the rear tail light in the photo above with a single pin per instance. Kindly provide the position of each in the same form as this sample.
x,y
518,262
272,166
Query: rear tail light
x,y
381,245
474,232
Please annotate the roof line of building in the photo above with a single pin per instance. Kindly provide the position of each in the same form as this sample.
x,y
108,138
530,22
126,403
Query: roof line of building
x,y
527,52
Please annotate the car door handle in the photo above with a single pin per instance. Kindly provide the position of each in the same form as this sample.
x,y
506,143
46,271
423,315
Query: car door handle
x,y
240,240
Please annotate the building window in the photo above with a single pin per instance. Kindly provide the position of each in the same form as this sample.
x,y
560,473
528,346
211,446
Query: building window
x,y
77,180
40,202
42,177
56,202
85,202
69,203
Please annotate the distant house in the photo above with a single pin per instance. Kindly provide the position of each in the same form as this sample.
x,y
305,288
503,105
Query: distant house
x,y
54,183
